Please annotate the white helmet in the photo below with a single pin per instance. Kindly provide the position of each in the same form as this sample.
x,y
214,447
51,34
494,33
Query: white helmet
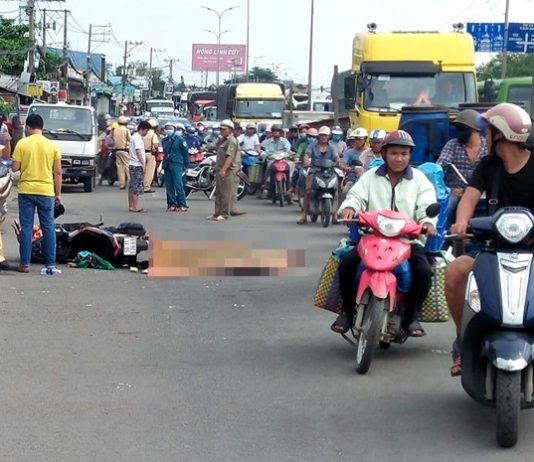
x,y
360,132
324,130
227,123
180,126
377,135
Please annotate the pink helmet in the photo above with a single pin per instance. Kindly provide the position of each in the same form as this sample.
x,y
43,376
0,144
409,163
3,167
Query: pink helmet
x,y
512,121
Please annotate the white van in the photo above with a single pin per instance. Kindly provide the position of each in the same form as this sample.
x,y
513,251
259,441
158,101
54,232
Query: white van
x,y
75,131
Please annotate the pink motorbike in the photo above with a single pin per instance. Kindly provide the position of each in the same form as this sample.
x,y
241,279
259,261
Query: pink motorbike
x,y
385,278
280,179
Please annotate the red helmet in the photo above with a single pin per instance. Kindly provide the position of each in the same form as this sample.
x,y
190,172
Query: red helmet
x,y
512,121
398,138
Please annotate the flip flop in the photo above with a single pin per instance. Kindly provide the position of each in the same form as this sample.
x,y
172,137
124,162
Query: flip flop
x,y
302,222
182,209
415,329
138,211
171,209
341,325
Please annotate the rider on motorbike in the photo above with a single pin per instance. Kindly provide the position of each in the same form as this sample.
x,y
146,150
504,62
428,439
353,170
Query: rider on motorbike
x,y
193,140
273,145
316,153
512,163
397,186
374,151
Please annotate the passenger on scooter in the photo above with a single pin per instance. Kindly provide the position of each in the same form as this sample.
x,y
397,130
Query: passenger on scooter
x,y
463,152
337,140
394,185
293,137
316,153
509,169
250,141
374,151
352,165
297,179
274,145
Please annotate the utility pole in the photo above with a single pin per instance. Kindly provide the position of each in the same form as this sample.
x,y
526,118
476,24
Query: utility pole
x,y
88,66
65,58
248,40
505,52
44,29
124,74
30,9
150,74
171,62
334,91
310,60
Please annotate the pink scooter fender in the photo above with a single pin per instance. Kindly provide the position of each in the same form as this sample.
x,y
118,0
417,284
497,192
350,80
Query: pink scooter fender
x,y
381,283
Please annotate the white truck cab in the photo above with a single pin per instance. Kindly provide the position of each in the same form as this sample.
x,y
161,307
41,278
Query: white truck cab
x,y
74,130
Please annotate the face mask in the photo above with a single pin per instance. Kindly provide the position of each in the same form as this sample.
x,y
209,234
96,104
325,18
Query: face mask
x,y
312,140
336,137
169,132
180,132
216,133
463,133
302,135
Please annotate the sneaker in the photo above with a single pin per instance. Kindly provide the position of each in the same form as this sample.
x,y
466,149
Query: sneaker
x,y
50,270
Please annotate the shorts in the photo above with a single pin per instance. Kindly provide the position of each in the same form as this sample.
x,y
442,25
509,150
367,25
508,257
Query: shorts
x,y
136,180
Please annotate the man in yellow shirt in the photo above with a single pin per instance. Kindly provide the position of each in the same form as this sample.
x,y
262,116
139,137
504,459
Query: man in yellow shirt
x,y
121,138
39,162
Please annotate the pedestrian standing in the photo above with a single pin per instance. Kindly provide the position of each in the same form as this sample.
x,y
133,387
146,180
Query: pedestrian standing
x,y
151,143
5,153
39,187
137,167
226,167
121,138
176,160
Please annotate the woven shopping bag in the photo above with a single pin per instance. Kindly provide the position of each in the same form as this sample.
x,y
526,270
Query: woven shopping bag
x,y
328,295
435,307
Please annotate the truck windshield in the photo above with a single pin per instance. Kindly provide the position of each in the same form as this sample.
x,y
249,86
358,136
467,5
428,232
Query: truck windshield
x,y
159,103
520,94
390,92
64,122
264,109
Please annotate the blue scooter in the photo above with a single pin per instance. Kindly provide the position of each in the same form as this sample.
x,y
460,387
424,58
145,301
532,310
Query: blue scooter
x,y
497,336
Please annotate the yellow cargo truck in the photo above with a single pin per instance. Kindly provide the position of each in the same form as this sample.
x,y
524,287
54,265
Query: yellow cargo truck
x,y
251,102
397,69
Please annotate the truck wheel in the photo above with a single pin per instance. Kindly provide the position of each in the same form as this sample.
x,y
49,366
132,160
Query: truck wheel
x,y
87,184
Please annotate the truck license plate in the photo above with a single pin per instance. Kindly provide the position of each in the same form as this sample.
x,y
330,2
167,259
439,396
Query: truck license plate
x,y
129,246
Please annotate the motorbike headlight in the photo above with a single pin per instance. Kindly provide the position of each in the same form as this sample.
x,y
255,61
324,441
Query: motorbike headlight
x,y
332,183
514,227
472,295
390,227
321,183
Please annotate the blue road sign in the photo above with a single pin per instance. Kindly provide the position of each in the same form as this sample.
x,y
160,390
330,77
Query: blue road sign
x,y
520,38
489,37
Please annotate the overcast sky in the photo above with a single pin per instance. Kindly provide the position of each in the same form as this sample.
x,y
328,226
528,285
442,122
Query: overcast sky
x,y
279,29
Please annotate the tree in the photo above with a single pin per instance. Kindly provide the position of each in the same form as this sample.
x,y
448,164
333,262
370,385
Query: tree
x,y
157,82
14,46
48,63
256,74
517,65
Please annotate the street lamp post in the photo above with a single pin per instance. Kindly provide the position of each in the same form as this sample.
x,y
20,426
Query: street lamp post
x,y
219,16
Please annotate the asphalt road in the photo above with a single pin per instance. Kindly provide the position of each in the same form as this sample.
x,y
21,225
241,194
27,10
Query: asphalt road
x,y
114,366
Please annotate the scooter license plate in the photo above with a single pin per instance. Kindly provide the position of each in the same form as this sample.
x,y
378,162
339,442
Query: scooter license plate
x,y
129,246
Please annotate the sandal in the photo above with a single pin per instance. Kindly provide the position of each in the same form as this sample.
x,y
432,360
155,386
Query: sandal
x,y
342,324
171,209
415,329
302,222
182,209
456,368
138,210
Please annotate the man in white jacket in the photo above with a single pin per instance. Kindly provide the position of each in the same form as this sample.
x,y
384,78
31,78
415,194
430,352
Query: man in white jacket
x,y
394,186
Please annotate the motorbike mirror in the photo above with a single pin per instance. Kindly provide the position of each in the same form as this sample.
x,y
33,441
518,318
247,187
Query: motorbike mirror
x,y
432,210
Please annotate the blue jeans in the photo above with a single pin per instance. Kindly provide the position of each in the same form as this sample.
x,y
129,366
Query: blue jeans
x,y
45,209
175,185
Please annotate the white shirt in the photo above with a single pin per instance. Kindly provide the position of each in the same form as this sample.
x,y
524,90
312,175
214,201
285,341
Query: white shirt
x,y
136,143
248,143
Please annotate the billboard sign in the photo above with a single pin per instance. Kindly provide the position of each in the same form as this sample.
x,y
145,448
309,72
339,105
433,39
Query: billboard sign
x,y
489,37
226,58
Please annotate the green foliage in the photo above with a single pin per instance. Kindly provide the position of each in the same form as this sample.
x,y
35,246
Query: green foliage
x,y
157,82
5,107
48,63
256,74
517,65
15,46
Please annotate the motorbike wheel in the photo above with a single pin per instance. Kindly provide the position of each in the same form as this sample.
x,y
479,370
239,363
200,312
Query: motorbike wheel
x,y
111,181
326,212
280,192
160,179
252,188
313,217
507,406
241,189
370,331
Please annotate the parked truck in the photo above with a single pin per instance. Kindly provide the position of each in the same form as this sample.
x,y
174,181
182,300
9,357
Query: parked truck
x,y
251,102
74,130
393,70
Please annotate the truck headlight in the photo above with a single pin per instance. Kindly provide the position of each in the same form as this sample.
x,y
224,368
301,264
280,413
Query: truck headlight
x,y
514,227
390,227
472,295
